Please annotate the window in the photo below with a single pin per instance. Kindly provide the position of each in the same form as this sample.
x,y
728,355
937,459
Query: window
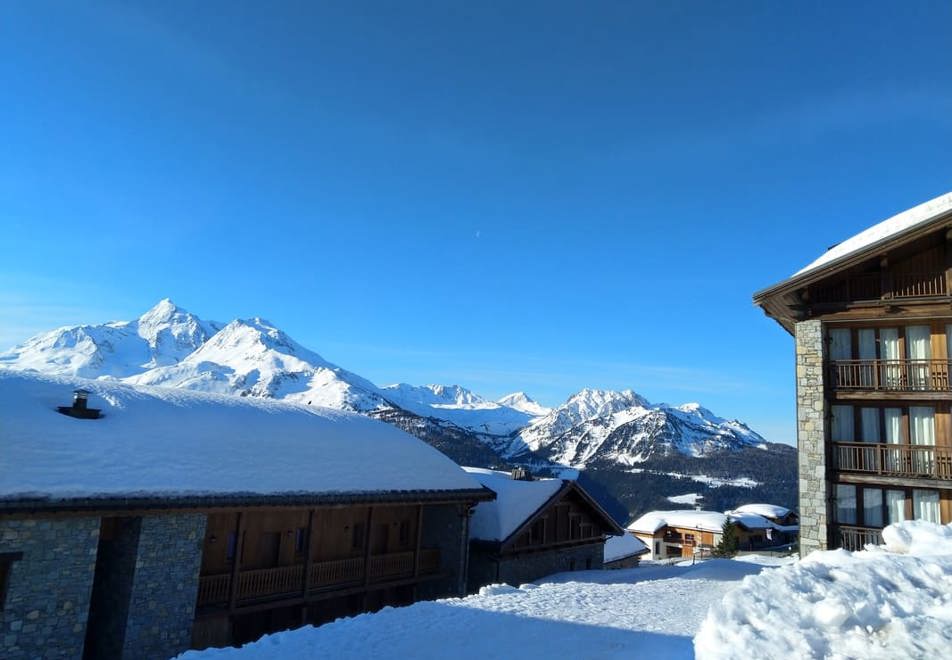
x,y
537,532
300,541
357,536
895,505
869,424
404,534
925,505
232,546
842,424
689,539
872,507
840,344
657,548
6,565
846,504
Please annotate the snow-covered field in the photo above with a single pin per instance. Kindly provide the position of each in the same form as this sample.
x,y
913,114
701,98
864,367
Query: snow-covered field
x,y
585,614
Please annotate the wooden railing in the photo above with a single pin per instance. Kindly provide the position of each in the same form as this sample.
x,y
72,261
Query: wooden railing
x,y
269,582
393,565
330,573
891,375
882,286
857,538
926,461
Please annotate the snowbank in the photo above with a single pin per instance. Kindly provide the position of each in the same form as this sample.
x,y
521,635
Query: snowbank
x,y
157,441
891,601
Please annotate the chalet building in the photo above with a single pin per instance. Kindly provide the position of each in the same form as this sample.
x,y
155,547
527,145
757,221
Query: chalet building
x,y
623,551
533,528
784,523
688,533
872,323
176,520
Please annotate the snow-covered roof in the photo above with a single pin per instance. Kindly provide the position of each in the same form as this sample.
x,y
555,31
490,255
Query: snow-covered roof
x,y
765,510
887,229
708,521
651,522
515,502
620,547
172,442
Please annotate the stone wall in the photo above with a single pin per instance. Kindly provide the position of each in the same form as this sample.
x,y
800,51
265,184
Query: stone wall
x,y
162,601
48,591
112,587
445,526
812,422
530,566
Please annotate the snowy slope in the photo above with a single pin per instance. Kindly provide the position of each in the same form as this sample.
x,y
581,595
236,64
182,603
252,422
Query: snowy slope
x,y
251,357
460,406
524,403
163,335
645,612
624,428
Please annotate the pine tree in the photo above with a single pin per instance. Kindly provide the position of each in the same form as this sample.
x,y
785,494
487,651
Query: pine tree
x,y
729,543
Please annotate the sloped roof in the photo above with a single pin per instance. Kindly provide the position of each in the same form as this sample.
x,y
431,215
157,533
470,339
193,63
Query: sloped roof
x,y
175,443
708,521
867,243
516,501
621,547
765,510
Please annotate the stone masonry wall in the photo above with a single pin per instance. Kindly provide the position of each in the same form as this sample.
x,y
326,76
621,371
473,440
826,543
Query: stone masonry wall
x,y
48,592
162,601
812,419
531,566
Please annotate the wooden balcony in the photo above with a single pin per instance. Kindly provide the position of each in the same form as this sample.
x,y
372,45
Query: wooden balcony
x,y
891,375
922,461
856,538
881,286
289,580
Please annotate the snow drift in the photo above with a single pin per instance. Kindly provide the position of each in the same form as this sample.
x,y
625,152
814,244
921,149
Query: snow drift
x,y
890,601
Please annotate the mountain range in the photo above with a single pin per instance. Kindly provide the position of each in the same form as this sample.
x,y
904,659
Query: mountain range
x,y
618,435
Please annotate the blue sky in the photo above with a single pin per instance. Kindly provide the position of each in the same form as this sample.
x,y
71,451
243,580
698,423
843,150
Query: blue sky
x,y
538,197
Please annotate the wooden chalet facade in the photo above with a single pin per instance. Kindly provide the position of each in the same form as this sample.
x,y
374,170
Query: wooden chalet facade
x,y
534,528
179,520
872,322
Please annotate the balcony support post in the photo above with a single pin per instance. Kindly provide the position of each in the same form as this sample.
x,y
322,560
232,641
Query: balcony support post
x,y
236,564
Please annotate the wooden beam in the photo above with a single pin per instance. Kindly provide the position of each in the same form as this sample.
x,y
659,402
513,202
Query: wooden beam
x,y
236,564
367,545
307,550
419,541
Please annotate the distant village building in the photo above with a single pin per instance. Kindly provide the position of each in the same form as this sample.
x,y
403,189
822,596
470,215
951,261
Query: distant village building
x,y
534,527
623,551
177,520
872,324
690,533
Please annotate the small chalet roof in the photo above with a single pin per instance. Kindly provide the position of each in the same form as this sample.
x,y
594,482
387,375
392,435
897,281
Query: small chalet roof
x,y
651,522
516,501
176,444
622,547
765,510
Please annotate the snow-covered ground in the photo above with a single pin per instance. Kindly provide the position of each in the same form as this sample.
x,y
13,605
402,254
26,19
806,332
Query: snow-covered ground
x,y
586,614
892,601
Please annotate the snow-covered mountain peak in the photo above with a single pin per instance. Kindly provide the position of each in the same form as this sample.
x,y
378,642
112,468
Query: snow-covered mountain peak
x,y
171,332
524,403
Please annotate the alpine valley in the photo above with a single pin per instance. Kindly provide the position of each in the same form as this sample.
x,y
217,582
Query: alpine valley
x,y
643,455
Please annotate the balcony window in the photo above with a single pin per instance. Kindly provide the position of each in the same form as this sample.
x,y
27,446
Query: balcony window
x,y
896,505
842,423
840,344
925,505
846,504
922,425
873,507
869,424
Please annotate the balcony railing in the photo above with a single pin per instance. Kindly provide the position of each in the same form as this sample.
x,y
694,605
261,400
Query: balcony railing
x,y
289,580
857,538
892,375
882,286
924,461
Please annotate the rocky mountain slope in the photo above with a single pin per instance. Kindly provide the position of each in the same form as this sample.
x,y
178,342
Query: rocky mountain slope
x,y
640,451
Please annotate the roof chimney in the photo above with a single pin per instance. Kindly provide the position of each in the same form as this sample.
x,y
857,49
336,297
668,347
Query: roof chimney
x,y
80,409
521,474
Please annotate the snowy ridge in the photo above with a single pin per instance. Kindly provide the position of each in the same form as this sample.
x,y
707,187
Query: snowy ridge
x,y
624,428
460,406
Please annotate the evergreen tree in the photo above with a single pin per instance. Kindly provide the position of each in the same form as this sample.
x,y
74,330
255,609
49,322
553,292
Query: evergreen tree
x,y
729,543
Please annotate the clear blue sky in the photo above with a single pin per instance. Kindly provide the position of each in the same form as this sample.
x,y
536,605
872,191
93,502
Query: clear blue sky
x,y
538,197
